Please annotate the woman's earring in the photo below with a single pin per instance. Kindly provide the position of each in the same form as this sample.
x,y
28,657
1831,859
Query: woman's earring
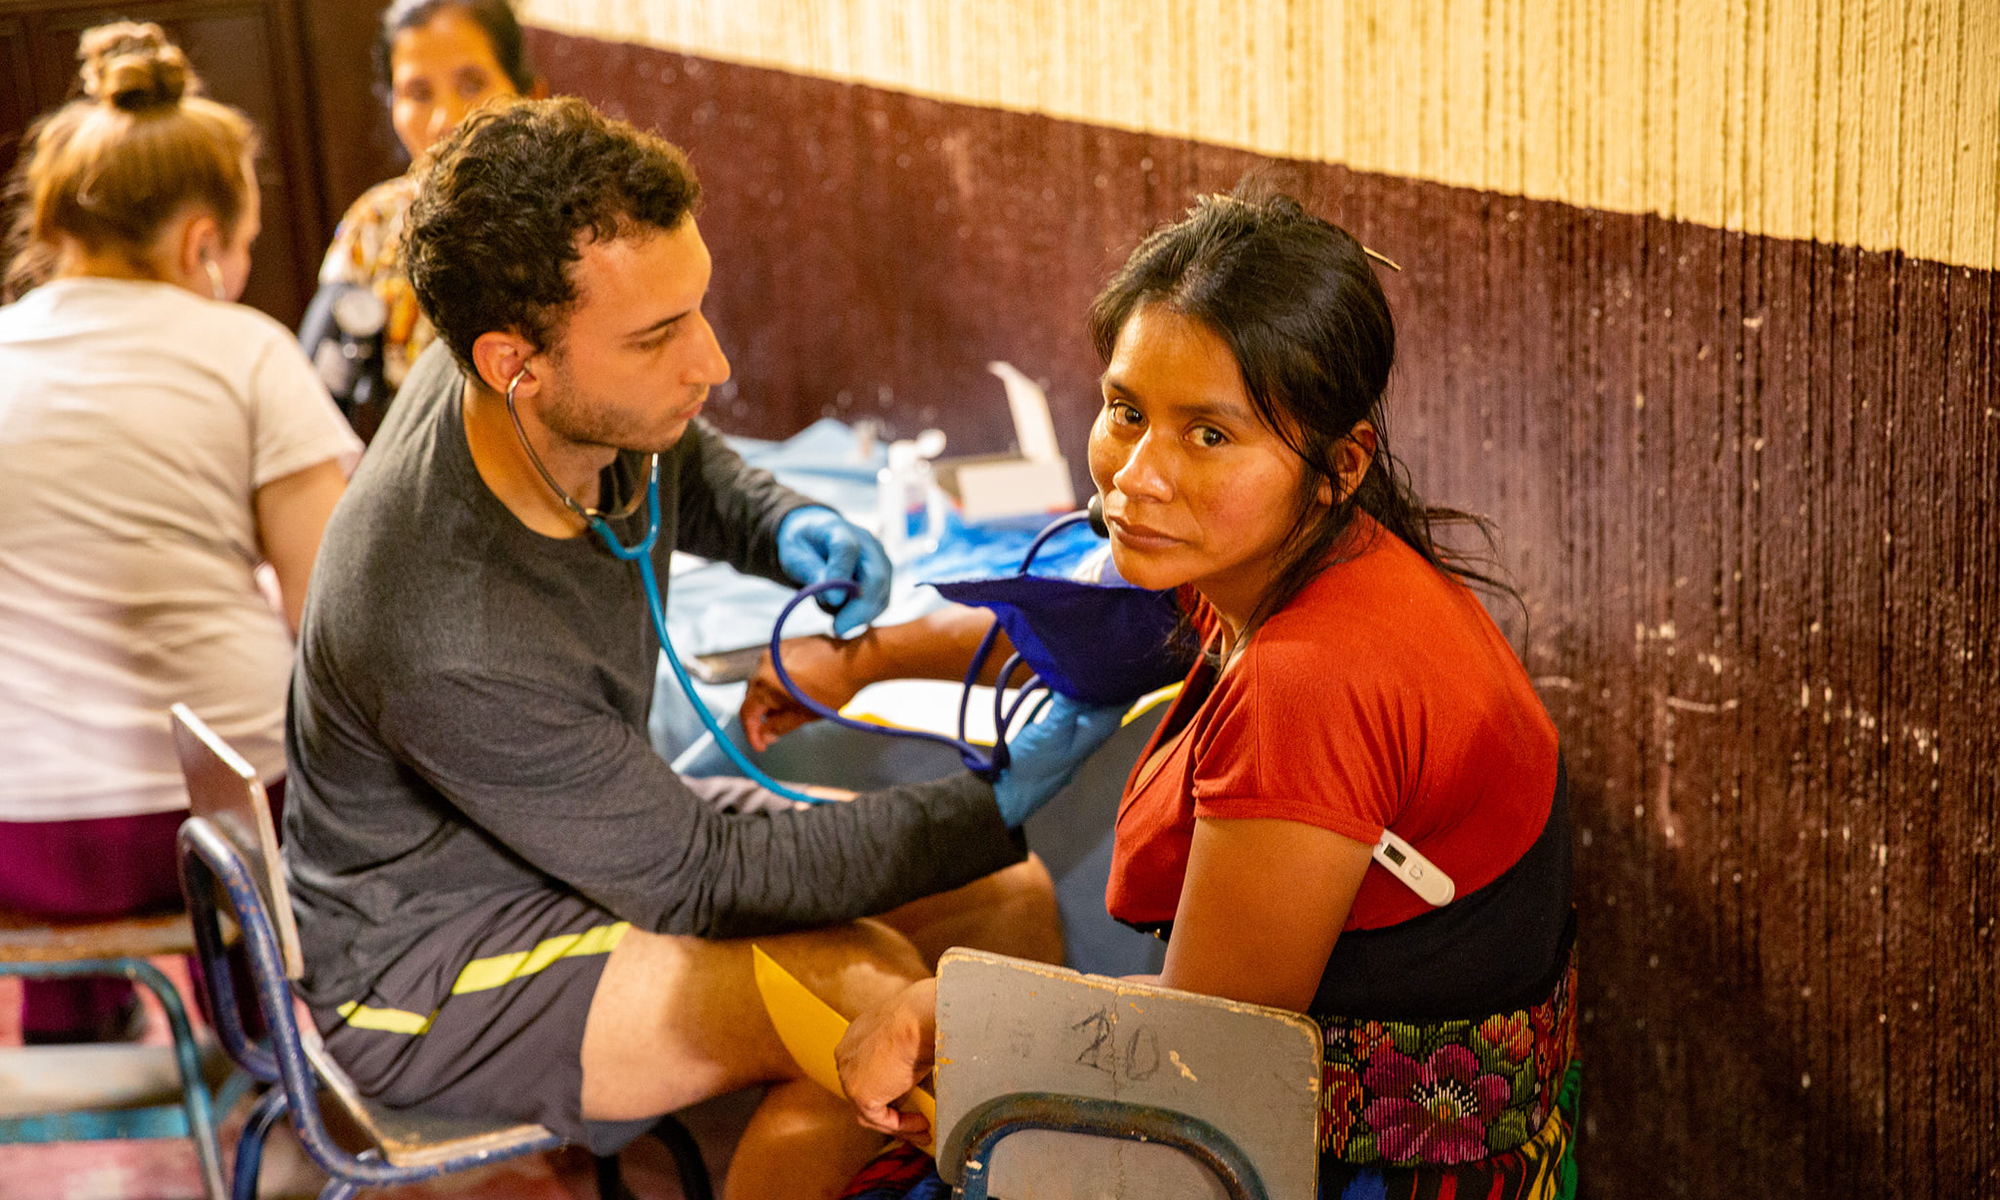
x,y
216,287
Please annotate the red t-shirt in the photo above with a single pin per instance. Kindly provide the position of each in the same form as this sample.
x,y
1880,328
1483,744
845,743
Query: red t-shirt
x,y
1382,695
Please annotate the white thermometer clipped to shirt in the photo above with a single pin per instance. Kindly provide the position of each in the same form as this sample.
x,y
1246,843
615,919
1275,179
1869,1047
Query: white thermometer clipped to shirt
x,y
1418,873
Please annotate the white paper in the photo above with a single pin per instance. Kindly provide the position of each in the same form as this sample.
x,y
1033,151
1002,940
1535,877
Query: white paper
x,y
1033,428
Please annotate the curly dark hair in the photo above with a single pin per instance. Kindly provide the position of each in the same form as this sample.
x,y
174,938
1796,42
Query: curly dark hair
x,y
1294,298
507,201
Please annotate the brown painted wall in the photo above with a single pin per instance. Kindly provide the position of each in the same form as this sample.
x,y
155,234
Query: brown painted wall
x,y
355,146
1748,485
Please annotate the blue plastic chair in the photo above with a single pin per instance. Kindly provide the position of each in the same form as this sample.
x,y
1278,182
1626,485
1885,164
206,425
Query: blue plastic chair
x,y
99,1101
229,859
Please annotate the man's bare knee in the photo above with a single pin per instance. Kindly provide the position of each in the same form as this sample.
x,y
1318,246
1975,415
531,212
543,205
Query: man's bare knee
x,y
850,966
676,1020
1012,911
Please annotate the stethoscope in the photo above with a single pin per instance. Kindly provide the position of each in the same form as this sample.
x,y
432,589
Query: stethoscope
x,y
986,764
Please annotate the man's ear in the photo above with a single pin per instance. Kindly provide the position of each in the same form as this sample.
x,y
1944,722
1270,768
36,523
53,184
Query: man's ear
x,y
500,356
1351,459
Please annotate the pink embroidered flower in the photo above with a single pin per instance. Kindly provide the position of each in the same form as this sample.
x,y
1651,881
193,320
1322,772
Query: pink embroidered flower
x,y
1435,1111
1510,1034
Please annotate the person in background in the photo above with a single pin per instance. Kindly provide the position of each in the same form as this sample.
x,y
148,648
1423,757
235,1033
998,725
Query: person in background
x,y
160,444
435,61
1351,686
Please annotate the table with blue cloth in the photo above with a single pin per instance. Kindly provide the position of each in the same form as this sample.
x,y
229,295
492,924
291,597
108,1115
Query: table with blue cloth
x,y
711,608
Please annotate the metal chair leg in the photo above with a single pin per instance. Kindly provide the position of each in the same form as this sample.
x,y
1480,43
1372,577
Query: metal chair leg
x,y
266,1113
687,1157
610,1181
194,1088
688,1164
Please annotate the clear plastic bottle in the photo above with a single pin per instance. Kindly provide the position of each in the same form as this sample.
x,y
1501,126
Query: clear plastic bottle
x,y
909,505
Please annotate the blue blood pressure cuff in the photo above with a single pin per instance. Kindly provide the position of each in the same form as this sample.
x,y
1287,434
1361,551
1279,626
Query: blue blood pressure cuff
x,y
1099,643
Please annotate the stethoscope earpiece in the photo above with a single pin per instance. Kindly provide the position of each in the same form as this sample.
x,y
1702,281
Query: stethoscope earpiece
x,y
590,516
216,287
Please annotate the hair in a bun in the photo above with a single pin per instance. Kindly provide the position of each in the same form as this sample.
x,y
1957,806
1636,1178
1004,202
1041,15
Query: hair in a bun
x,y
134,67
110,169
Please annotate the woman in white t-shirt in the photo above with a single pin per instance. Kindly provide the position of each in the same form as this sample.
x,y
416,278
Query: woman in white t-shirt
x,y
159,446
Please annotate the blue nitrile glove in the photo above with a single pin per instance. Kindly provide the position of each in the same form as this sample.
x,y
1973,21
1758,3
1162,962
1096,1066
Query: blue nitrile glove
x,y
1042,757
817,544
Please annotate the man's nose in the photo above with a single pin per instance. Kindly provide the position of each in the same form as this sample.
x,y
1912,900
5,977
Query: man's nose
x,y
710,365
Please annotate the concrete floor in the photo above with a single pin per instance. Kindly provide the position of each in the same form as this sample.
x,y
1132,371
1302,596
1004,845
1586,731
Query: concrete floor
x,y
165,1169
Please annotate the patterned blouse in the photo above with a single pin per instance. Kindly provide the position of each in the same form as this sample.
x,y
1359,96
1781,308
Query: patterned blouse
x,y
368,250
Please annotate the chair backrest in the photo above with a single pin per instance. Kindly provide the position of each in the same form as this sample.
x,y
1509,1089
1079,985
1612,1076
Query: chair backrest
x,y
1131,1071
225,789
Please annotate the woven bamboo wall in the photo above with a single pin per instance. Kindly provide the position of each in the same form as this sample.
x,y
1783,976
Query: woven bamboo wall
x,y
1701,311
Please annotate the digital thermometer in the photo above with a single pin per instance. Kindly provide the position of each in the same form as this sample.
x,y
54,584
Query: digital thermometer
x,y
1420,874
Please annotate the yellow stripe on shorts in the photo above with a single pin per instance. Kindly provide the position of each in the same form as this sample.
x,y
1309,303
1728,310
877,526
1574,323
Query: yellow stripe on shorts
x,y
485,974
385,1020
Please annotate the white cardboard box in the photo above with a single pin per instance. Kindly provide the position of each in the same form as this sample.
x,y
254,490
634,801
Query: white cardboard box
x,y
995,487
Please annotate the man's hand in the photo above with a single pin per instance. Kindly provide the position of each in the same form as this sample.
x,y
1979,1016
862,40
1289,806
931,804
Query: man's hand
x,y
886,1052
816,545
824,668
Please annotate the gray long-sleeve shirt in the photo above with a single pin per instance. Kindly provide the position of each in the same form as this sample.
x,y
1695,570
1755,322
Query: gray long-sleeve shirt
x,y
468,716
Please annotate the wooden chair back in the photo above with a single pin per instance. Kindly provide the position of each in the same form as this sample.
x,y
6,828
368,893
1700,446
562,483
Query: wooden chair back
x,y
225,789
1108,1077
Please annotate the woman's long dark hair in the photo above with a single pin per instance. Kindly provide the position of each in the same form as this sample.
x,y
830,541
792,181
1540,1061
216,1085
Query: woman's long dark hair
x,y
1295,299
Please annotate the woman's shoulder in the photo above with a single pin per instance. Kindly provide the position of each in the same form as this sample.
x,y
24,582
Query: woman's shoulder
x,y
237,331
366,242
1383,620
389,198
1373,586
181,322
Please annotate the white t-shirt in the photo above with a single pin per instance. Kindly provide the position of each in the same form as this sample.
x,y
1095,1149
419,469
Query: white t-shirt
x,y
137,421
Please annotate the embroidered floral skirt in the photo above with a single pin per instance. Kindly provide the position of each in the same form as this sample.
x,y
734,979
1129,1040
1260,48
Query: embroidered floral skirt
x,y
1481,1108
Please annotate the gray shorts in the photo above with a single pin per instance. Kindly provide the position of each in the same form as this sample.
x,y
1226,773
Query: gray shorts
x,y
484,1016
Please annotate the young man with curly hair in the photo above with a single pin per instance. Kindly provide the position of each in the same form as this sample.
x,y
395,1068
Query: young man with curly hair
x,y
510,905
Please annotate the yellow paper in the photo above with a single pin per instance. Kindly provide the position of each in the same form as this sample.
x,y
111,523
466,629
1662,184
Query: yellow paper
x,y
810,1029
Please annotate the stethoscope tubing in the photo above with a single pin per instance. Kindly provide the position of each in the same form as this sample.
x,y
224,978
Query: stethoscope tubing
x,y
987,765
640,553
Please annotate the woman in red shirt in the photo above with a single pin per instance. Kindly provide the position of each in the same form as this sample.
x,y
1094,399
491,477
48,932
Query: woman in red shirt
x,y
1349,683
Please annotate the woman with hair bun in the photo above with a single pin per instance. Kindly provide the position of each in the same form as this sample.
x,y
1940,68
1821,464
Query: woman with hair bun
x,y
163,446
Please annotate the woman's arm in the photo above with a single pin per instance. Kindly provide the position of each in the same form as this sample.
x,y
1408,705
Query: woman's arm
x,y
291,515
1262,905
937,645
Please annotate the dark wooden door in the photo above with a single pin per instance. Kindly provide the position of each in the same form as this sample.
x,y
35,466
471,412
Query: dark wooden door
x,y
247,52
